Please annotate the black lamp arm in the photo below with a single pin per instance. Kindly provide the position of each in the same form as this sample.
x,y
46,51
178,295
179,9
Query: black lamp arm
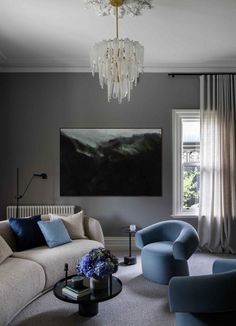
x,y
21,196
42,175
18,196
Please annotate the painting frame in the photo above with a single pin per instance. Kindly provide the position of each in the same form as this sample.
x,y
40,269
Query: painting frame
x,y
111,162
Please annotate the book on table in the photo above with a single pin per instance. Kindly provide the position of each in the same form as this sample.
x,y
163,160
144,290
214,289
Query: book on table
x,y
75,292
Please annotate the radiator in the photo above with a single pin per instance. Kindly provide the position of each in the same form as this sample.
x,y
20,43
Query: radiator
x,y
24,211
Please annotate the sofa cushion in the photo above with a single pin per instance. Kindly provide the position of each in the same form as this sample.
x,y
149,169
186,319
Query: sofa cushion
x,y
73,223
5,250
54,259
93,229
7,234
27,232
54,232
21,280
45,217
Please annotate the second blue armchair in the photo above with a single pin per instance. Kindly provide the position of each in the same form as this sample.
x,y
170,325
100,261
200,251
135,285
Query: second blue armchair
x,y
205,300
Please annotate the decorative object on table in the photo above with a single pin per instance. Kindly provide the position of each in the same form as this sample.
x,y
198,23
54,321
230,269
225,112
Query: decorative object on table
x,y
132,228
111,162
99,283
86,281
99,264
78,281
131,259
66,273
75,290
119,62
18,196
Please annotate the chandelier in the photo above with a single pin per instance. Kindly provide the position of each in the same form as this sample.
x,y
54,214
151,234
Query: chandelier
x,y
119,62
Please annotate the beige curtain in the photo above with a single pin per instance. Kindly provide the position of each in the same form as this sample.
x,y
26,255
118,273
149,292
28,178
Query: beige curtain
x,y
217,211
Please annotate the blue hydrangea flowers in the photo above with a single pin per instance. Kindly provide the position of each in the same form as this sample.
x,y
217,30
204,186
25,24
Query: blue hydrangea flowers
x,y
98,263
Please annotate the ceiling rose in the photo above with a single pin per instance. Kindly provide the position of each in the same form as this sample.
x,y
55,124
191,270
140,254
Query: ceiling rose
x,y
129,7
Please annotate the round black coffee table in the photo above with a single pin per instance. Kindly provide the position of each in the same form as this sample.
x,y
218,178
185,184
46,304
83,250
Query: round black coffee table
x,y
88,304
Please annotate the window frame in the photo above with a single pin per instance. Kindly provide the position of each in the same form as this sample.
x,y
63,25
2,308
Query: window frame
x,y
177,179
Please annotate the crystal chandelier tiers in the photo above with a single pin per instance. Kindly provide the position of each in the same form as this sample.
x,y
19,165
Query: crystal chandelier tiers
x,y
118,62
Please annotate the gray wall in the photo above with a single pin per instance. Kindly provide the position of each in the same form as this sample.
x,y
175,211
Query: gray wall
x,y
35,106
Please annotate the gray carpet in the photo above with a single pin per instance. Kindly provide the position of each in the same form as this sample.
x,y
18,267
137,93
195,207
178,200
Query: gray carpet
x,y
140,303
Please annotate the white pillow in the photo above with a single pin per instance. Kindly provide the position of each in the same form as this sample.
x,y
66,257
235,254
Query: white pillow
x,y
5,250
45,217
73,223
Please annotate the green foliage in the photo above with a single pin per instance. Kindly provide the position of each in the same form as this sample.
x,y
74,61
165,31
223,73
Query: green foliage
x,y
190,191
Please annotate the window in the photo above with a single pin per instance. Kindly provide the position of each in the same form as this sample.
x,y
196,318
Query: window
x,y
186,162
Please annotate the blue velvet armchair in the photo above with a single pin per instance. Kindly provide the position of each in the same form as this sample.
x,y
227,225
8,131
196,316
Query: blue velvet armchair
x,y
166,247
206,300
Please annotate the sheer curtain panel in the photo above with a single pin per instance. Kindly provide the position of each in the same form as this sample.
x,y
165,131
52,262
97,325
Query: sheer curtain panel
x,y
217,211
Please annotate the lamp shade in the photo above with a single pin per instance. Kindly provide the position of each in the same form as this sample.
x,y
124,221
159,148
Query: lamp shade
x,y
41,175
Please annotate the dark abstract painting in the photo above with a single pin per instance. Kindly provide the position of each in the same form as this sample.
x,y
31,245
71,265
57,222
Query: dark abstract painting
x,y
111,162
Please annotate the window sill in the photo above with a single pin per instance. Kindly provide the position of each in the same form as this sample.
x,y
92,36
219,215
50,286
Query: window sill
x,y
184,215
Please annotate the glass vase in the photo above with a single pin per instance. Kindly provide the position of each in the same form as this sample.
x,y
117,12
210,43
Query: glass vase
x,y
99,283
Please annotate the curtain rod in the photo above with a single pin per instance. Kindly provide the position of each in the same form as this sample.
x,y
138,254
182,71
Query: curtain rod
x,y
173,74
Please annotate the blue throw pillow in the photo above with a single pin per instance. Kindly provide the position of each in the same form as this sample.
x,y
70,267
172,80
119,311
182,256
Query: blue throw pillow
x,y
27,232
54,232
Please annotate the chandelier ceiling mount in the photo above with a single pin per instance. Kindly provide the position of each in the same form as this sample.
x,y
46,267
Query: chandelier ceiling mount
x,y
117,3
126,7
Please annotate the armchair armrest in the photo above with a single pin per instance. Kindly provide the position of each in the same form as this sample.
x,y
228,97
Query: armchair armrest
x,y
148,235
186,243
223,265
93,229
203,294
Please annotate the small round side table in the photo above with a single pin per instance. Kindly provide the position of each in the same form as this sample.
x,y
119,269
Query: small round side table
x,y
131,258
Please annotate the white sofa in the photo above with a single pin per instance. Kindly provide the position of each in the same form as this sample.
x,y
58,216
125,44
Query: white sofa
x,y
25,275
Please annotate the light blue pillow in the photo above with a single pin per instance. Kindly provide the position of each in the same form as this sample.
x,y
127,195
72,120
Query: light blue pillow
x,y
54,232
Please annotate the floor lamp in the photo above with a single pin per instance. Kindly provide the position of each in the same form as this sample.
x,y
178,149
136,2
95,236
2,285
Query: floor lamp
x,y
18,196
131,259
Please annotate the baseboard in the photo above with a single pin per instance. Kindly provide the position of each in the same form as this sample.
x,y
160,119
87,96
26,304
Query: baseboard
x,y
119,243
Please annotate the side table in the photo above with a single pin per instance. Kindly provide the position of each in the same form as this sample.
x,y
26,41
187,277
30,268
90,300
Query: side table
x,y
131,258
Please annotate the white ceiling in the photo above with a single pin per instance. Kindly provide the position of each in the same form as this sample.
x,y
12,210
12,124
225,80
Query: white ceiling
x,y
178,35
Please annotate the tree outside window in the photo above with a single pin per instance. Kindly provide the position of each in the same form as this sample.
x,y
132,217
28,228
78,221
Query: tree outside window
x,y
191,164
186,161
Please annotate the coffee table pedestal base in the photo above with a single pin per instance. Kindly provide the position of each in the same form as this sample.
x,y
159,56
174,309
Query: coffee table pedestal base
x,y
88,309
